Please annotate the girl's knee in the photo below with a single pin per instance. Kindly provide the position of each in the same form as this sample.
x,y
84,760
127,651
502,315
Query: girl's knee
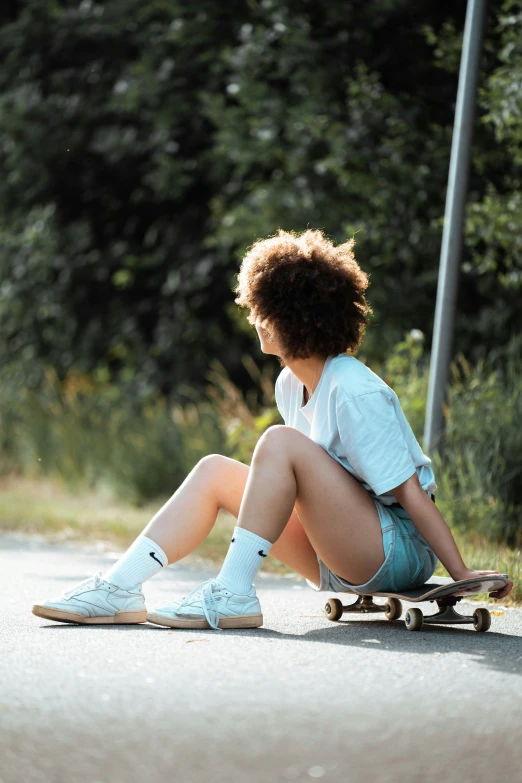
x,y
211,464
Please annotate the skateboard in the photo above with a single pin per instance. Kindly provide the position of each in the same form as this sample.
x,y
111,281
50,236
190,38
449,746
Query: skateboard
x,y
446,595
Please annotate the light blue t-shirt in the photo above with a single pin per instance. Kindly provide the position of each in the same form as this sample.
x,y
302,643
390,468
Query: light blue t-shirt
x,y
357,418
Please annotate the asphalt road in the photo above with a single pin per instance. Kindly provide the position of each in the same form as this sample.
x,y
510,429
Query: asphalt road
x,y
360,701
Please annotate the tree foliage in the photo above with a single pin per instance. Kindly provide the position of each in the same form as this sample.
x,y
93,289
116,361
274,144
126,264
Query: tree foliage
x,y
145,146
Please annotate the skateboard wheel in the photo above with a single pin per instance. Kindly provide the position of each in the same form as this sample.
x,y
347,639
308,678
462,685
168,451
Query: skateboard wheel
x,y
414,619
481,619
333,609
393,609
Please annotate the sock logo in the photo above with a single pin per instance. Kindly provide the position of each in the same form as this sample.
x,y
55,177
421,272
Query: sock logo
x,y
233,540
261,553
156,559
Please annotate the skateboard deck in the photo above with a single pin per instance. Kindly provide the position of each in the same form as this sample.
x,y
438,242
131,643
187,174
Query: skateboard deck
x,y
446,593
433,590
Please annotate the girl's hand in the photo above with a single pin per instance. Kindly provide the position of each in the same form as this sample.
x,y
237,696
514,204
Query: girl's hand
x,y
470,574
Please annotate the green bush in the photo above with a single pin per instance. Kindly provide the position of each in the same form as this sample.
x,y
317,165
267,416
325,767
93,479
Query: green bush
x,y
145,146
483,454
478,473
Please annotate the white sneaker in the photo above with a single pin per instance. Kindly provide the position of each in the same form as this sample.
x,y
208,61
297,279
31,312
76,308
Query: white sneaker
x,y
210,605
95,601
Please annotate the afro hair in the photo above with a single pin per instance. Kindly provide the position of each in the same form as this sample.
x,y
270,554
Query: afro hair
x,y
307,293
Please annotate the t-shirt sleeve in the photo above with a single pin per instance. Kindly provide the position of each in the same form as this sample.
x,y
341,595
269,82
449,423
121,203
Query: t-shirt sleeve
x,y
279,397
372,438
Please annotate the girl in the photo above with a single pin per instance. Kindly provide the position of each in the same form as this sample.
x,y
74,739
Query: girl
x,y
342,492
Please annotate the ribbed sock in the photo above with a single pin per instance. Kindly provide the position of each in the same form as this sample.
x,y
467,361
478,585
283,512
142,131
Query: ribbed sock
x,y
143,559
245,554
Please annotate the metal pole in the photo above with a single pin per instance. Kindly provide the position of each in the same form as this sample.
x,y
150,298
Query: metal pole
x,y
453,223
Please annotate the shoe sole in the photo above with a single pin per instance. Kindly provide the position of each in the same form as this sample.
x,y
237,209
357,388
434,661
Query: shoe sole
x,y
246,621
120,618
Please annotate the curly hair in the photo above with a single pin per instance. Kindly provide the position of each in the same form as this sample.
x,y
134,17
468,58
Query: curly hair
x,y
307,292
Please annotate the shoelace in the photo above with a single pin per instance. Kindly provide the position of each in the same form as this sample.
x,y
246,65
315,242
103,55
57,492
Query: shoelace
x,y
92,581
208,601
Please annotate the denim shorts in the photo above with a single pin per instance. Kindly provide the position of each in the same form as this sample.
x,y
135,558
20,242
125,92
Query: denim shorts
x,y
408,560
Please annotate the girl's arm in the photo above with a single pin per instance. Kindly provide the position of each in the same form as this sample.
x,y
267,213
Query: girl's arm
x,y
429,521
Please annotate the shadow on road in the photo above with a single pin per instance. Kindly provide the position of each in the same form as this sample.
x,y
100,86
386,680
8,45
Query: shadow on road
x,y
498,651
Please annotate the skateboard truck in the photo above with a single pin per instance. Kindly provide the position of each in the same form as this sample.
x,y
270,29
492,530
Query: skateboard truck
x,y
364,603
447,613
414,618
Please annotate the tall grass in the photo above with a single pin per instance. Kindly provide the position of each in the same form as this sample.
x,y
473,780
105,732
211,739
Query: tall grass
x,y
91,434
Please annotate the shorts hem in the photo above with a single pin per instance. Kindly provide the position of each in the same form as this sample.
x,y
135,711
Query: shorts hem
x,y
333,583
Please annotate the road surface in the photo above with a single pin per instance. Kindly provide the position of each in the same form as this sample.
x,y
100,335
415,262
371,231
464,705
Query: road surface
x,y
360,701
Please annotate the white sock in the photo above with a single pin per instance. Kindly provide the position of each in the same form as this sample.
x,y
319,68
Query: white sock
x,y
245,554
143,559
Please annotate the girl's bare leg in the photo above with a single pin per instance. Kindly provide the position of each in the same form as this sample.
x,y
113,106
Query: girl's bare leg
x,y
188,516
294,494
291,471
